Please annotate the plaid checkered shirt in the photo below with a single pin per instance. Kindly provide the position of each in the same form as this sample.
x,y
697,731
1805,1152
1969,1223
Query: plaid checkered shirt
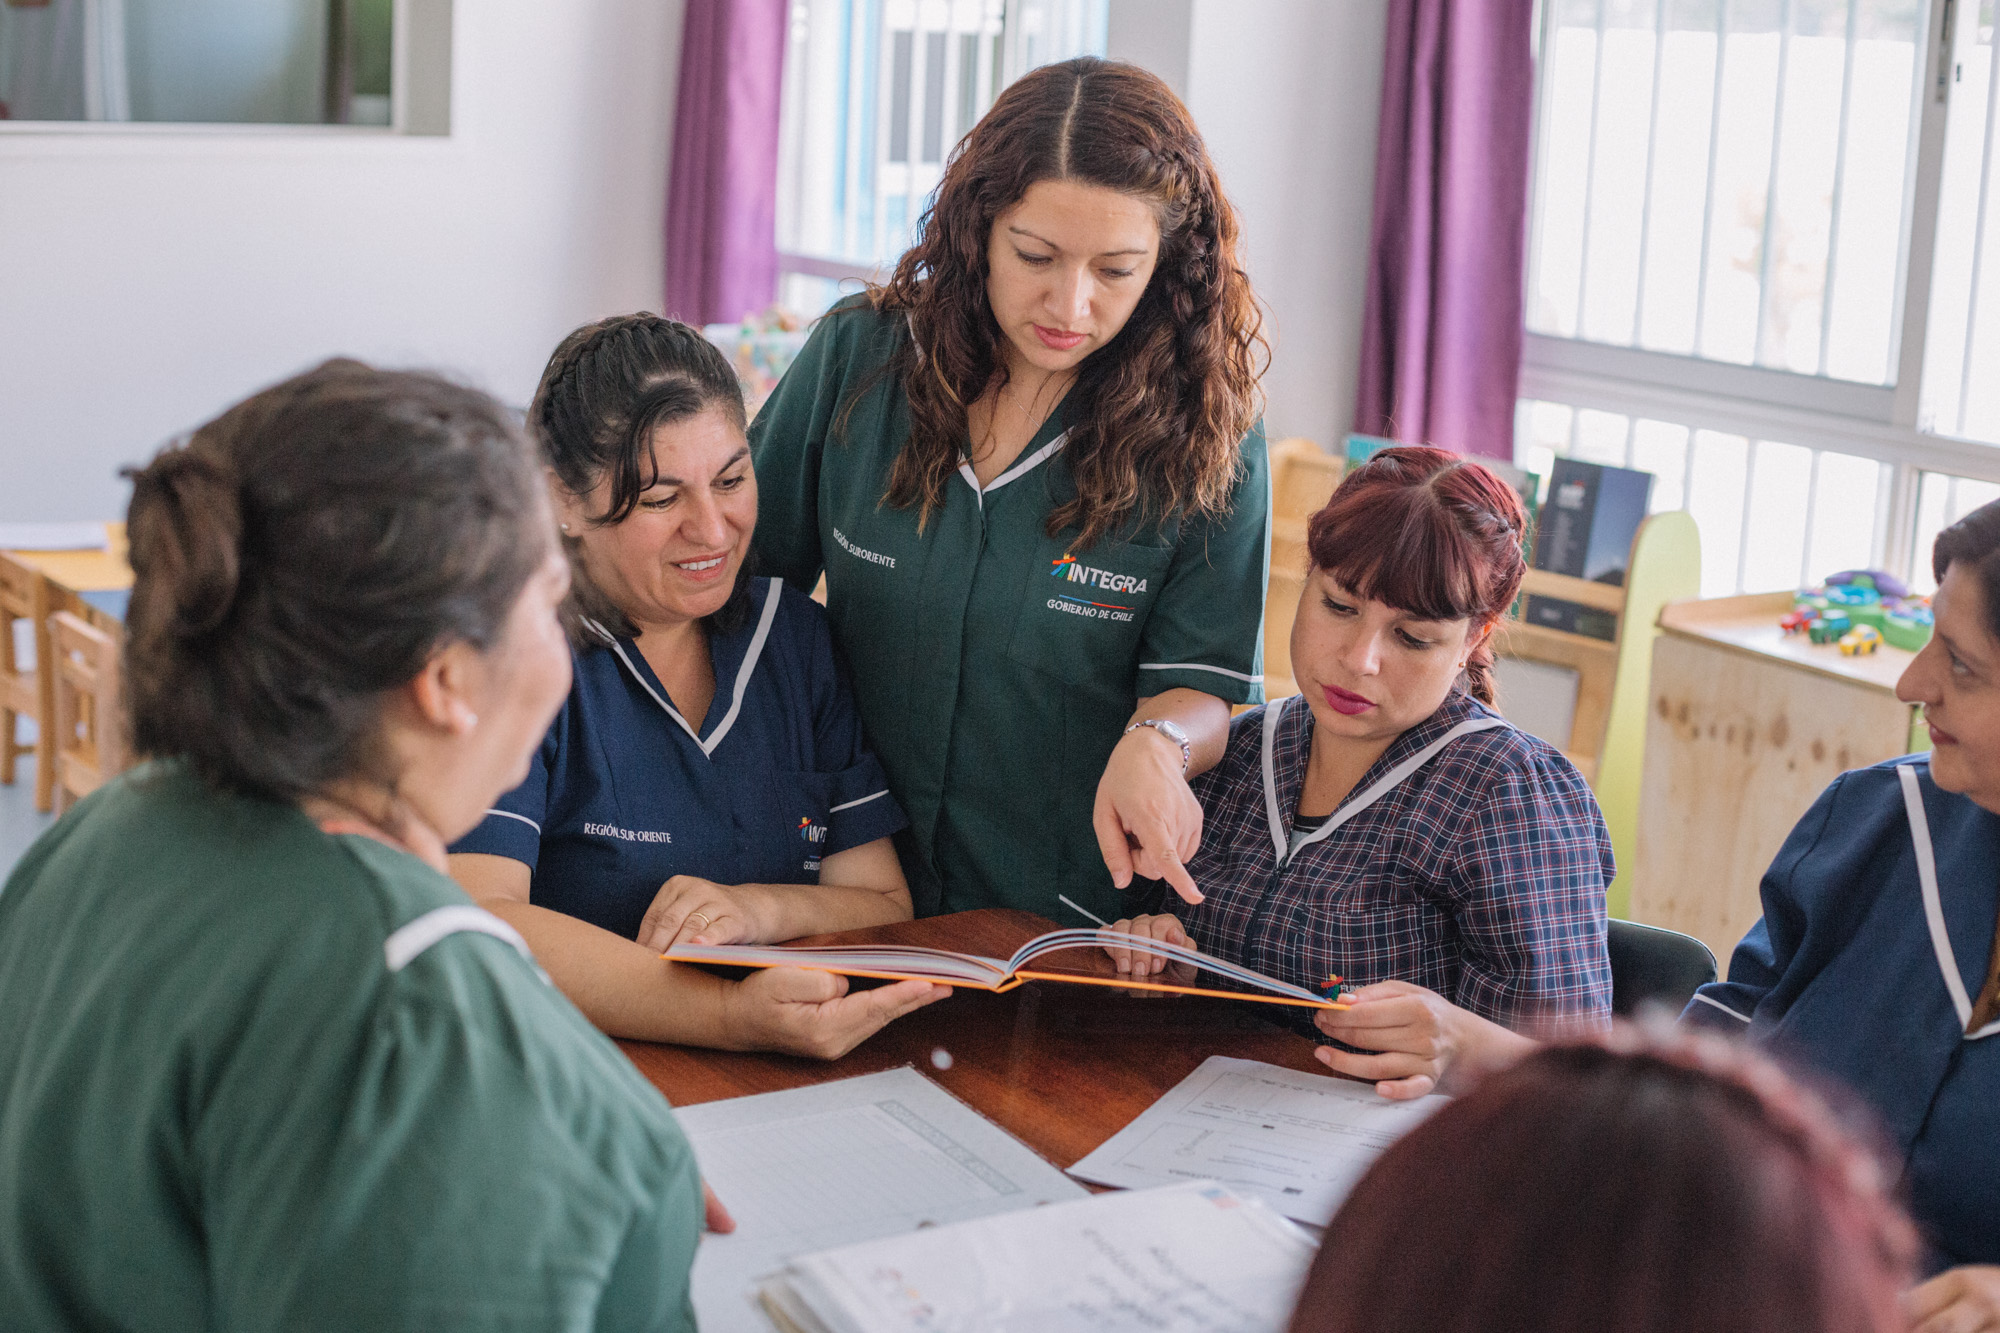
x,y
1481,875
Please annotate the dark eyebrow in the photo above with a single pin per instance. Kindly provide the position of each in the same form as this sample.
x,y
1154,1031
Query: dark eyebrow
x,y
1108,254
733,460
1951,646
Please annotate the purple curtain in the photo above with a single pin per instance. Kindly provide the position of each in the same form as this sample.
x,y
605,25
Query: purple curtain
x,y
721,242
1441,339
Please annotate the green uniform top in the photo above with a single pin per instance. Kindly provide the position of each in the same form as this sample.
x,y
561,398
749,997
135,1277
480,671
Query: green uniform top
x,y
254,1076
994,665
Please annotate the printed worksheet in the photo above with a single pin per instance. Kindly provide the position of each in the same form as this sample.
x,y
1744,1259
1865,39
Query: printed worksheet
x,y
1192,1258
1297,1141
813,1167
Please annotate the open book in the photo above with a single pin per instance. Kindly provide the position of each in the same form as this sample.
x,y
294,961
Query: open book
x,y
1189,1258
892,962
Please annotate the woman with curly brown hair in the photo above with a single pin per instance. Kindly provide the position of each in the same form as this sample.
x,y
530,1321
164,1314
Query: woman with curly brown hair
x,y
1031,470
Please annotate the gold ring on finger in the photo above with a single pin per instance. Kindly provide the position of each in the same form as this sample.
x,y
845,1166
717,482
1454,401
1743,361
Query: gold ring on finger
x,y
705,922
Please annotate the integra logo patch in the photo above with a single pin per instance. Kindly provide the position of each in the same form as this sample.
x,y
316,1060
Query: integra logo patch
x,y
1069,568
811,832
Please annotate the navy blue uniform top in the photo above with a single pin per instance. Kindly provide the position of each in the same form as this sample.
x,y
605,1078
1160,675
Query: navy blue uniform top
x,y
623,794
1847,971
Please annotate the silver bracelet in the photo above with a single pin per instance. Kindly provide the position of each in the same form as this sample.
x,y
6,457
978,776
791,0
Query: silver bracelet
x,y
1173,732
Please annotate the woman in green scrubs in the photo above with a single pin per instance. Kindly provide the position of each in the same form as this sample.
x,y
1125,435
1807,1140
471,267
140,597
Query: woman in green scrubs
x,y
1031,471
264,1065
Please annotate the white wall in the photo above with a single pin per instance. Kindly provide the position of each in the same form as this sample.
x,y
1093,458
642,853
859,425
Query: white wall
x,y
148,279
1287,95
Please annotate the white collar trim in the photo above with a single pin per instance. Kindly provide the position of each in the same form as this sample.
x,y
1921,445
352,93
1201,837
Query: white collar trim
x,y
743,672
1020,469
1920,834
1353,805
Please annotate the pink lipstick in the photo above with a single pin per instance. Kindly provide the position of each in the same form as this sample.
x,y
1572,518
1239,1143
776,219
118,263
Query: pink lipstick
x,y
1346,701
1056,340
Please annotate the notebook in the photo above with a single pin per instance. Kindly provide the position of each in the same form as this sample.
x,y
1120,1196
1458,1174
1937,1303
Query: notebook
x,y
848,1160
1191,1258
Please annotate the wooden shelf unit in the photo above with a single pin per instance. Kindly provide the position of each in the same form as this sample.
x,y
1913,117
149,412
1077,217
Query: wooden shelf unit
x,y
1608,729
1746,727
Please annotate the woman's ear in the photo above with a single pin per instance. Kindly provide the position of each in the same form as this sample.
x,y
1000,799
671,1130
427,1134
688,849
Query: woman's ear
x,y
441,692
569,506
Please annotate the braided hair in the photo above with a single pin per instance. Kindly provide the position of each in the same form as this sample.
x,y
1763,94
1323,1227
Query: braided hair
x,y
1649,1180
608,387
1429,532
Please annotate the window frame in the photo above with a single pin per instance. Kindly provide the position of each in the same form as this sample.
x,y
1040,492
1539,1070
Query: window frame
x,y
1016,53
1890,424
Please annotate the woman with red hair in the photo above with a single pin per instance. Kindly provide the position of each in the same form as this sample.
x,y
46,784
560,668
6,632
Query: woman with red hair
x,y
1386,825
1649,1183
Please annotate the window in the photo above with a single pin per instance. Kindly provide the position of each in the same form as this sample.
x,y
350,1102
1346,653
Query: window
x,y
876,94
1759,268
380,64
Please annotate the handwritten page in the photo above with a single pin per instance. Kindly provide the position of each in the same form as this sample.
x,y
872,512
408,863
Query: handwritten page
x,y
851,1160
1176,1260
1297,1141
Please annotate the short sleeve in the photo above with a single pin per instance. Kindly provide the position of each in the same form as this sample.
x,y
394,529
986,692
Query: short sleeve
x,y
1529,883
513,827
470,1163
1766,953
1206,630
786,441
860,808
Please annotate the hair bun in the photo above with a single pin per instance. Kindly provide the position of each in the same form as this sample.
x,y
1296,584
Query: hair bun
x,y
186,529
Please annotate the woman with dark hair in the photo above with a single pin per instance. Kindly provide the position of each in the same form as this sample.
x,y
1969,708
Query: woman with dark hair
x,y
264,1066
1386,826
706,779
1031,471
1877,960
1636,1186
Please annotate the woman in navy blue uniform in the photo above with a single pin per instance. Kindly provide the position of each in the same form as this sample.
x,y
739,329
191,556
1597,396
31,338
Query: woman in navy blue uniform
x,y
1876,959
707,777
1388,826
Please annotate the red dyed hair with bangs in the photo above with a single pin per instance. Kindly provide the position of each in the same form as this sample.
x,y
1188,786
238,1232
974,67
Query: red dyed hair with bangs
x,y
1431,534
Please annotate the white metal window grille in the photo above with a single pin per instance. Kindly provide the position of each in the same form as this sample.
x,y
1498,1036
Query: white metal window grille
x,y
1964,383
1763,265
1772,514
876,94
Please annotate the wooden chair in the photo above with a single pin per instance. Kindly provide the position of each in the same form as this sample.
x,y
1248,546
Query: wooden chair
x,y
89,743
1303,476
24,595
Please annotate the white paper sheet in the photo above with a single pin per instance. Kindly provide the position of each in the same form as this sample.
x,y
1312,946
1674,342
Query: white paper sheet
x,y
53,537
808,1168
1188,1259
1296,1141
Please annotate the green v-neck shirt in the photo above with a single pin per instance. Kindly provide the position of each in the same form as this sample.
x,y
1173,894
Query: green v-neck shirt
x,y
995,666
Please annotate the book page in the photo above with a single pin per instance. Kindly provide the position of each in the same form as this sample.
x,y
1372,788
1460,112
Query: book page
x,y
837,1162
878,960
1179,1260
1295,1140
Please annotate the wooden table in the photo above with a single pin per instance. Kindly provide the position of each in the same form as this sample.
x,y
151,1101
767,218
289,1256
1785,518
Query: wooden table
x,y
78,582
1060,1067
